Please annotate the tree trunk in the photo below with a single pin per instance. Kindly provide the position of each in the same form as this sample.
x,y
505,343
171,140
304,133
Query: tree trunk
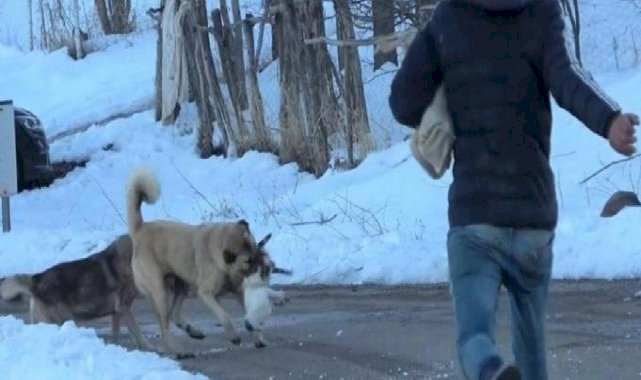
x,y
189,48
30,5
76,30
158,78
383,14
325,111
292,120
174,61
256,55
120,10
356,107
277,32
221,112
311,13
223,40
114,16
422,12
229,36
577,35
44,40
216,106
206,128
263,140
197,81
340,35
239,55
103,15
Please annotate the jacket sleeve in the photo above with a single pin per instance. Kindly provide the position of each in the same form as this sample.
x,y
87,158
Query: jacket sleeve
x,y
415,83
573,88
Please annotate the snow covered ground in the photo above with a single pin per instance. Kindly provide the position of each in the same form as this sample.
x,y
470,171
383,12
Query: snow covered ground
x,y
383,222
48,352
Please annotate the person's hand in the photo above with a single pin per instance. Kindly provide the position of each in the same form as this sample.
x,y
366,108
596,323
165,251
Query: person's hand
x,y
622,133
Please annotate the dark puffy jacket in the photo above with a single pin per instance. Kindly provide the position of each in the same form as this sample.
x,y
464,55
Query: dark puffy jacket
x,y
499,61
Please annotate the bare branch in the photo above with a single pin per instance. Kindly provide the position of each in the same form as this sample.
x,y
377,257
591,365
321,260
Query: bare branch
x,y
201,195
608,166
155,13
261,32
265,65
321,221
111,202
395,39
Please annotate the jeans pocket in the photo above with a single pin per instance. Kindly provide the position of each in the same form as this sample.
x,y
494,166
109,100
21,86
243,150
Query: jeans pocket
x,y
535,256
471,249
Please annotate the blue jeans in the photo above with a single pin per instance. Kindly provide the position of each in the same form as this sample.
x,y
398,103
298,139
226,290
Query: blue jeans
x,y
481,259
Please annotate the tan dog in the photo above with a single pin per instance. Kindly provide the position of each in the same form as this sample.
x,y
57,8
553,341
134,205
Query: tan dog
x,y
212,258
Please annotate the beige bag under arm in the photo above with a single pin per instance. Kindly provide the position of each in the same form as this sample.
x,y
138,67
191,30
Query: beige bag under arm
x,y
432,140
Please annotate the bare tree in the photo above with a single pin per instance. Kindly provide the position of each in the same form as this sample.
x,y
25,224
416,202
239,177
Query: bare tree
x,y
229,34
103,15
223,36
239,54
293,147
44,41
156,15
340,34
30,5
424,11
383,23
356,107
76,30
322,110
187,72
120,16
262,137
115,16
261,33
382,17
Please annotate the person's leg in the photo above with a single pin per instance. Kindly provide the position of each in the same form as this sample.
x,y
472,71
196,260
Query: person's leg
x,y
527,285
475,279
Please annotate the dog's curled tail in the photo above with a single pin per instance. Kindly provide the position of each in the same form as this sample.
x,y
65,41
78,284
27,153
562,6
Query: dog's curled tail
x,y
143,187
14,287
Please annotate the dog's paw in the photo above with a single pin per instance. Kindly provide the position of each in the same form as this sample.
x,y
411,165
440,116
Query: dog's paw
x,y
249,326
198,335
185,355
281,301
194,333
235,341
260,344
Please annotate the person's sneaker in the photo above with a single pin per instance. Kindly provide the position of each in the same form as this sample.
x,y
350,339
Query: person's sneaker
x,y
507,372
495,369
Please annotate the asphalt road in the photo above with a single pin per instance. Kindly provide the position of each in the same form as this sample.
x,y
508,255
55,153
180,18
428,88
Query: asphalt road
x,y
594,332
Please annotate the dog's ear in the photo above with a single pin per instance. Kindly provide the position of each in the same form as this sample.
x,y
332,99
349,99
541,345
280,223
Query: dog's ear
x,y
264,241
229,257
243,222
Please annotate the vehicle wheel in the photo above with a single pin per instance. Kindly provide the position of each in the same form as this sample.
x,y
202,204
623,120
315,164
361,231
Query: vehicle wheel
x,y
21,181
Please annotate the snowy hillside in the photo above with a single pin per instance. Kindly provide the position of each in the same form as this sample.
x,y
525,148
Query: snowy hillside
x,y
364,225
382,222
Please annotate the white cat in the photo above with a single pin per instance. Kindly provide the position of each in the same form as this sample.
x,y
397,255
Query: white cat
x,y
258,296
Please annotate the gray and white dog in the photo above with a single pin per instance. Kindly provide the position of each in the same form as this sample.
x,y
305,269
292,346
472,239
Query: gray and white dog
x,y
96,286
